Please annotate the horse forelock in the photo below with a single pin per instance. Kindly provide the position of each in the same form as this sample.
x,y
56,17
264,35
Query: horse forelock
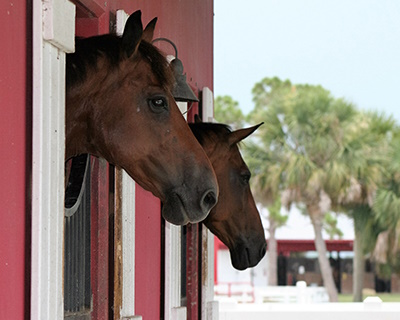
x,y
159,64
89,51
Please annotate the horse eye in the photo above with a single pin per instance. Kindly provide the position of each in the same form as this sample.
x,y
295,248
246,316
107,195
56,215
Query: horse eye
x,y
246,177
158,104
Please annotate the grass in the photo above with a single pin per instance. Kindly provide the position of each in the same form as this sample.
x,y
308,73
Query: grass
x,y
386,297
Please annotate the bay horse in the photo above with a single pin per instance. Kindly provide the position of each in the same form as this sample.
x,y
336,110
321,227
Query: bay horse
x,y
234,219
119,107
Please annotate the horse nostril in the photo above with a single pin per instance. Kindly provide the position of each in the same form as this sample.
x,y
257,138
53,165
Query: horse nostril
x,y
263,250
208,201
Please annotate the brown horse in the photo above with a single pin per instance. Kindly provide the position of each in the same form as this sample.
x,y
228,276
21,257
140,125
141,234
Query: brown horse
x,y
235,219
119,106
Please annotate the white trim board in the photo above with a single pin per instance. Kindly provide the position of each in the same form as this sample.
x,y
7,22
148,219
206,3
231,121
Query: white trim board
x,y
53,29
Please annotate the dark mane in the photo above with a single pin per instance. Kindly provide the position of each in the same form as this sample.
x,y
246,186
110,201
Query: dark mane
x,y
211,131
89,50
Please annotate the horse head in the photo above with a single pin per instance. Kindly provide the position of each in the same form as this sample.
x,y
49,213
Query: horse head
x,y
235,219
119,106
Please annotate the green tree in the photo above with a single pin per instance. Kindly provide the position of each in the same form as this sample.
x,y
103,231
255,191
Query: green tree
x,y
276,220
266,186
226,110
330,226
386,208
304,128
362,161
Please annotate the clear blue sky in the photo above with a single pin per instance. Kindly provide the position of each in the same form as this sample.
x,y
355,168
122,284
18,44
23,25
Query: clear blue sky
x,y
350,47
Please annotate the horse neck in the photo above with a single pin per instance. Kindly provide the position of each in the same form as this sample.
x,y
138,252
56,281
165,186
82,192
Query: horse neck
x,y
79,110
82,98
76,129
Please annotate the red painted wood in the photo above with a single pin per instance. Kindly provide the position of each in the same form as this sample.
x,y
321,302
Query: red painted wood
x,y
189,24
100,238
147,255
179,21
309,245
88,23
86,27
15,161
197,58
302,245
95,7
92,18
216,247
192,272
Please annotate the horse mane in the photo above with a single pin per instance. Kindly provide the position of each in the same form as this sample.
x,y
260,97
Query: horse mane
x,y
89,50
211,131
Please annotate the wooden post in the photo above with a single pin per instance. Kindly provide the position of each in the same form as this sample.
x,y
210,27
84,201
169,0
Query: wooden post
x,y
192,272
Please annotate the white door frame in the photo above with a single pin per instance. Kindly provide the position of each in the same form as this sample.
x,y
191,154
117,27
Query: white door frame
x,y
53,37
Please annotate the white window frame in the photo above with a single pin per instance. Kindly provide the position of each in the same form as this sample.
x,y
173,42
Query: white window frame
x,y
53,37
209,306
128,207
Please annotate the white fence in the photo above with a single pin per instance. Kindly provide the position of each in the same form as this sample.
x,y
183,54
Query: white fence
x,y
239,301
327,311
244,292
289,294
235,291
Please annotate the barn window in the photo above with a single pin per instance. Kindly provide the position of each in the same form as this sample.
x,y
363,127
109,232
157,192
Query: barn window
x,y
77,288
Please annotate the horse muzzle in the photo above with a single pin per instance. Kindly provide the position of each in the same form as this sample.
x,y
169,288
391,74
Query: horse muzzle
x,y
181,207
247,254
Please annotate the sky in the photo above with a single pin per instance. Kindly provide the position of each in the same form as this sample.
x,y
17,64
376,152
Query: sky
x,y
350,47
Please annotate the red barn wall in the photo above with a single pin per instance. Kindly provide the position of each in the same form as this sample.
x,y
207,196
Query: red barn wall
x,y
15,104
189,24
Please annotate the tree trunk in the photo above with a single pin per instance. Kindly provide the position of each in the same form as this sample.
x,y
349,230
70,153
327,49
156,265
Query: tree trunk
x,y
358,261
326,270
272,255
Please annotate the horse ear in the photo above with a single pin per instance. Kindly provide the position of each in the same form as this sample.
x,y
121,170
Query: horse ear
x,y
132,33
197,119
239,135
149,30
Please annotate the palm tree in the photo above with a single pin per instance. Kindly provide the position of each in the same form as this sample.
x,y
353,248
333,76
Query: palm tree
x,y
265,186
304,127
227,111
362,161
386,208
276,220
330,226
